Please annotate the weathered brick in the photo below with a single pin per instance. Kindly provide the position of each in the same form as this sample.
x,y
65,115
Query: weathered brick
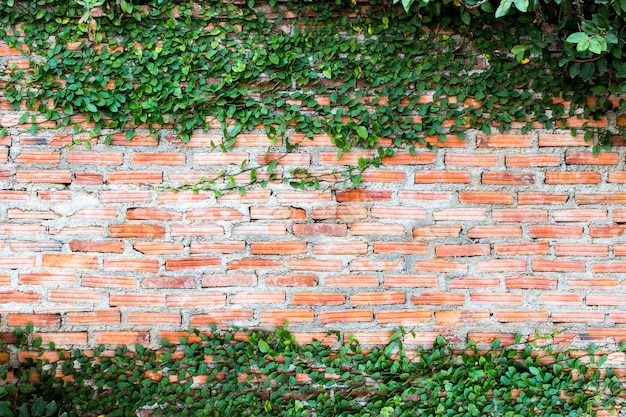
x,y
168,282
196,300
442,176
534,160
38,157
557,265
36,246
521,248
496,298
577,316
74,296
95,158
572,177
581,249
254,263
40,320
179,264
352,281
561,298
458,214
125,197
312,264
135,177
597,283
47,278
340,248
221,317
439,265
433,232
265,213
345,316
413,213
109,316
153,318
132,265
158,248
136,231
317,299
278,248
471,160
136,300
374,298
494,232
608,267
292,280
44,176
198,230
217,247
588,158
325,229
403,248
438,298
531,282
377,229
504,141
600,198
108,281
223,213
579,215
516,316
22,297
121,337
424,196
555,232
367,264
51,260
280,317
158,158
102,246
501,265
260,229
474,282
462,250
405,317
519,215
304,197
508,178
550,140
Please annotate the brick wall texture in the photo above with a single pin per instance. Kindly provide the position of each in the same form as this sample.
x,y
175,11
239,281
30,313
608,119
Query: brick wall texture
x,y
483,237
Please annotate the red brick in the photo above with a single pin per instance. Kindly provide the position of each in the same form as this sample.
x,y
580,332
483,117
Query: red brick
x,y
22,297
471,160
581,249
260,229
508,178
413,213
266,213
549,140
345,316
377,229
38,157
460,214
217,247
572,177
494,232
132,265
374,298
439,265
157,158
40,320
352,281
601,198
588,158
325,229
404,317
442,176
44,176
619,250
561,298
383,176
222,213
136,231
280,317
158,248
229,280
136,300
89,178
121,337
153,319
112,316
291,280
504,141
485,197
198,299
221,317
95,158
521,248
617,176
317,299
402,248
531,282
278,248
367,264
254,263
439,298
50,260
462,250
555,232
517,316
340,248
577,316
135,177
74,296
535,160
519,215
311,264
102,246
433,232
168,282
179,264
496,298
579,215
108,281
47,278
501,265
608,267
557,265
125,197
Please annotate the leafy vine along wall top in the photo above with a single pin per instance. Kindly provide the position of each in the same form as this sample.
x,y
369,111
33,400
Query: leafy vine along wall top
x,y
347,167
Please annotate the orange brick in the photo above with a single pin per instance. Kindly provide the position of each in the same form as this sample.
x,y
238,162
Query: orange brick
x,y
95,213
311,264
439,265
135,177
107,281
179,264
153,214
158,158
508,178
572,177
136,231
222,213
44,176
494,232
258,297
345,316
581,249
619,250
579,215
439,298
557,265
16,262
22,297
521,248
217,247
325,229
21,228
38,246
619,216
9,195
254,263
136,300
601,198
367,264
472,282
550,140
251,197
617,176
460,214
424,196
88,178
531,282
442,176
404,317
377,229
46,278
501,265
31,214
291,280
340,248
38,157
304,197
74,296
121,337
433,232
347,158
471,160
402,248
588,158
278,248
50,260
317,299
597,283
218,158
280,317
383,176
536,160
102,246
200,230
221,317
561,298
608,267
519,215
196,300
496,298
260,229
158,248
125,197
618,317
229,280
132,265
456,318
151,318
517,316
181,197
63,338
462,250
352,281
264,213
373,298
577,316
413,213
504,141
40,320
485,197
405,158
296,159
168,282
555,232
94,158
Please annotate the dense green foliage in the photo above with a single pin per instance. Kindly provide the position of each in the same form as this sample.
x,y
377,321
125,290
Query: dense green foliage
x,y
355,72
268,374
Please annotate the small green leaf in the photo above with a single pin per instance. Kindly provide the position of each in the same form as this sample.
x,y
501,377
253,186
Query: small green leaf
x,y
577,37
362,132
263,346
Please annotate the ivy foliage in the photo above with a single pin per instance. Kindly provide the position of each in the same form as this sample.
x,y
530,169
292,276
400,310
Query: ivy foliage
x,y
257,373
367,75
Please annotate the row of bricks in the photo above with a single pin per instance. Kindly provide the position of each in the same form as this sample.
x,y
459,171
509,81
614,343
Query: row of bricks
x,y
447,318
361,264
304,280
296,247
85,299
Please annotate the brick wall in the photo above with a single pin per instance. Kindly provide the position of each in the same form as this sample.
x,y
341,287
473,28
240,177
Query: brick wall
x,y
490,235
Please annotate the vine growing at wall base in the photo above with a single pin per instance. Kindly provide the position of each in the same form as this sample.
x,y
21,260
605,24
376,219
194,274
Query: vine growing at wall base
x,y
366,75
254,373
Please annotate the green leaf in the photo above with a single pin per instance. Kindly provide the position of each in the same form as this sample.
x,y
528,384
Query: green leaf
x,y
577,37
130,134
263,346
362,132
504,8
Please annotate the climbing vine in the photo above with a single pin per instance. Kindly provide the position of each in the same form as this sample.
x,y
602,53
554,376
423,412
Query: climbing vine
x,y
367,75
243,373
